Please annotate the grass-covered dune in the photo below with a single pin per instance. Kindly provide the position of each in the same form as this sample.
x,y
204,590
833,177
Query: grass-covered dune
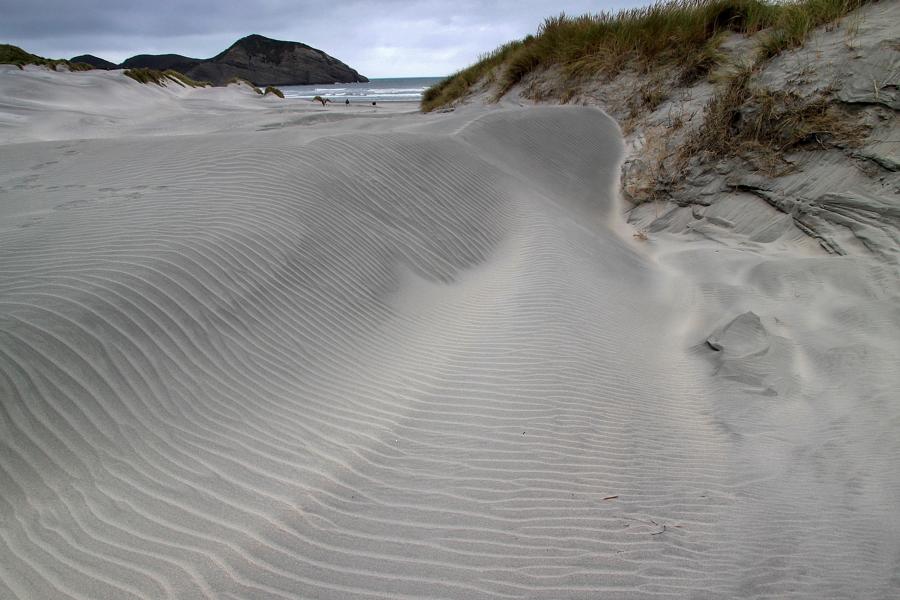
x,y
13,55
161,77
677,34
169,75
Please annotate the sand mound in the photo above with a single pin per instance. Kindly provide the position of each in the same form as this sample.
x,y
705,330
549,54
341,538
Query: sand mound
x,y
399,358
38,104
742,336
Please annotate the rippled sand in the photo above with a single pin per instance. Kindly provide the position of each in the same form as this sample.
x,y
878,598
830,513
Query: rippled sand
x,y
280,352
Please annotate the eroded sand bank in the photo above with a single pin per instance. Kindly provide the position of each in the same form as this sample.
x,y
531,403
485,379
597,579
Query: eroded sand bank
x,y
252,349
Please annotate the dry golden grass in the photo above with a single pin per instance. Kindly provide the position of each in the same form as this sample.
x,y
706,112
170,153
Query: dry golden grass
x,y
649,96
457,85
271,89
761,125
652,174
161,77
676,34
241,80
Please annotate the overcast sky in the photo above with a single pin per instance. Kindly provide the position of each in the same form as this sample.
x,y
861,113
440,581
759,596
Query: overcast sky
x,y
379,38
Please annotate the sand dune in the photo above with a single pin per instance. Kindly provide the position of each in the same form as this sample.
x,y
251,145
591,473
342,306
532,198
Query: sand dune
x,y
411,356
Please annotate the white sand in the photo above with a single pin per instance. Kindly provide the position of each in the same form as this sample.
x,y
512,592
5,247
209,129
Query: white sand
x,y
256,349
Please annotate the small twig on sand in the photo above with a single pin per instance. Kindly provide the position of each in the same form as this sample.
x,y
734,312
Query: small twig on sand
x,y
610,498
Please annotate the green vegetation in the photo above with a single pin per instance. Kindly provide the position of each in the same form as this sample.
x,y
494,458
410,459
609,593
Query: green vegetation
x,y
675,34
271,89
792,22
184,80
240,80
672,45
160,77
761,125
146,76
457,85
13,55
647,97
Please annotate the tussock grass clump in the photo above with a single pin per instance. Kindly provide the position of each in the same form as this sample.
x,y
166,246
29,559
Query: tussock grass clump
x,y
722,115
144,75
13,55
457,85
679,33
761,125
793,21
647,97
240,80
787,120
674,34
185,80
271,89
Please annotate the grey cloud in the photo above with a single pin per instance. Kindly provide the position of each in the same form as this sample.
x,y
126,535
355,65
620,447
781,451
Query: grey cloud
x,y
436,37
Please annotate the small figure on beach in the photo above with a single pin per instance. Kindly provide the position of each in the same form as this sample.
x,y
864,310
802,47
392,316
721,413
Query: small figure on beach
x,y
373,103
321,99
347,101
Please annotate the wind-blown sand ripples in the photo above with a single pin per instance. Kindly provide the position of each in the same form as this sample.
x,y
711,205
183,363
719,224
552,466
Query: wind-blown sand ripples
x,y
398,364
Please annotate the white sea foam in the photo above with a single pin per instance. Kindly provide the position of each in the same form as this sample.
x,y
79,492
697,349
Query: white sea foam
x,y
383,90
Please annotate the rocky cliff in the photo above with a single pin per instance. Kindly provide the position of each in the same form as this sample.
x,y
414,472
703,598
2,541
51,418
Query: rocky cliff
x,y
266,61
258,59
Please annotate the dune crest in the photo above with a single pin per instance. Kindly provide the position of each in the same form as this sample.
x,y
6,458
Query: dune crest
x,y
396,356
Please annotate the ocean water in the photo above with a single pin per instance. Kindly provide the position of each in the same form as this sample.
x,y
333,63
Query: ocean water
x,y
401,89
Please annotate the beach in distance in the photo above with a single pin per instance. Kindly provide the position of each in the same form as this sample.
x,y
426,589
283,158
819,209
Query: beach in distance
x,y
395,89
276,348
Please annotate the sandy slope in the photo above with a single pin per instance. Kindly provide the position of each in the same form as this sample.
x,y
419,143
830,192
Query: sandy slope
x,y
292,353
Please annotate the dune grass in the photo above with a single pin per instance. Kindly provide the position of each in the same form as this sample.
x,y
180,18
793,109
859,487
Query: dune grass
x,y
675,34
793,21
271,89
761,125
458,85
185,80
13,55
161,77
146,76
240,80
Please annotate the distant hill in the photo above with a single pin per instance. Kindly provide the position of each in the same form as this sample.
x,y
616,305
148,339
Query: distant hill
x,y
13,55
161,62
94,61
258,59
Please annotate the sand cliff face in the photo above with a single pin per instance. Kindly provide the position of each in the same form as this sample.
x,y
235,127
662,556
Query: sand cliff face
x,y
838,179
265,349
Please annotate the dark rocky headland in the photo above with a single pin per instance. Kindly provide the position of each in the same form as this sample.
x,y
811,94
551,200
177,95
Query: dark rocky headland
x,y
258,59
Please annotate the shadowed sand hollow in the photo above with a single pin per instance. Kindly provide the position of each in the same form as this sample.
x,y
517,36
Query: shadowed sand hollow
x,y
406,357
